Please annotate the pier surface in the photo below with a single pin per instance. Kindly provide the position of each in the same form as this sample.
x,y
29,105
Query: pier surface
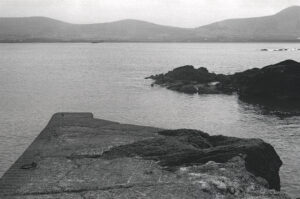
x,y
66,161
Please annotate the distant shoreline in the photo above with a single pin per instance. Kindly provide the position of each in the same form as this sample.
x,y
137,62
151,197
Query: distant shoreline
x,y
272,28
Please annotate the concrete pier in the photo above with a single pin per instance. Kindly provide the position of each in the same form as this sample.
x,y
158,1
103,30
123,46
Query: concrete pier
x,y
66,161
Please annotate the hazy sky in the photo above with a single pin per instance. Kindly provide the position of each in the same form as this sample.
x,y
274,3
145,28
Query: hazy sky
x,y
183,13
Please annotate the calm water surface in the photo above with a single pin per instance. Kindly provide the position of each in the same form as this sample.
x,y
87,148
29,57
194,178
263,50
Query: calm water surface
x,y
37,80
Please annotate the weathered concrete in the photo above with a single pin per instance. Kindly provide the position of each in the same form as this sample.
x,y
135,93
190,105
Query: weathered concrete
x,y
71,159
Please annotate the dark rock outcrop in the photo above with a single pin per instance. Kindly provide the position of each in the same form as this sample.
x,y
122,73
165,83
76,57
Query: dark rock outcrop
x,y
278,82
185,74
189,80
280,108
184,147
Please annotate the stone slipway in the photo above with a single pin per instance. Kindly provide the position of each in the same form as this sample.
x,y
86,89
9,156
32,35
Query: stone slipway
x,y
78,156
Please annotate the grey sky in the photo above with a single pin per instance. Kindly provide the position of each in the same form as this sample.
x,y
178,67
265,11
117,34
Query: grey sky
x,y
183,13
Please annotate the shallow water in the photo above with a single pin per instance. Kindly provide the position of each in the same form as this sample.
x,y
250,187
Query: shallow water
x,y
37,80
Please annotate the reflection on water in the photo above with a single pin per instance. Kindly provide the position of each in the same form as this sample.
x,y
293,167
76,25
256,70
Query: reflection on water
x,y
37,80
283,133
282,109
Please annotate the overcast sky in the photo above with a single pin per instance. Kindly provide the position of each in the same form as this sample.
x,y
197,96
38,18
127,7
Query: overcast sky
x,y
182,13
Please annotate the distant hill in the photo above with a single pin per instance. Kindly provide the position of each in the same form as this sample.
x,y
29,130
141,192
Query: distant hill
x,y
283,26
46,29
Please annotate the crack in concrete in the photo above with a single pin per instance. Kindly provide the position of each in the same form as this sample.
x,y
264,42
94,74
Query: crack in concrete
x,y
119,186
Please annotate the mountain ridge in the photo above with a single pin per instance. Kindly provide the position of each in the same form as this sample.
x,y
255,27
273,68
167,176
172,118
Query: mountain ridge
x,y
282,26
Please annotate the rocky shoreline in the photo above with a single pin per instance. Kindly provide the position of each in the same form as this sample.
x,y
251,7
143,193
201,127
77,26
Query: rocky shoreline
x,y
279,82
78,156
